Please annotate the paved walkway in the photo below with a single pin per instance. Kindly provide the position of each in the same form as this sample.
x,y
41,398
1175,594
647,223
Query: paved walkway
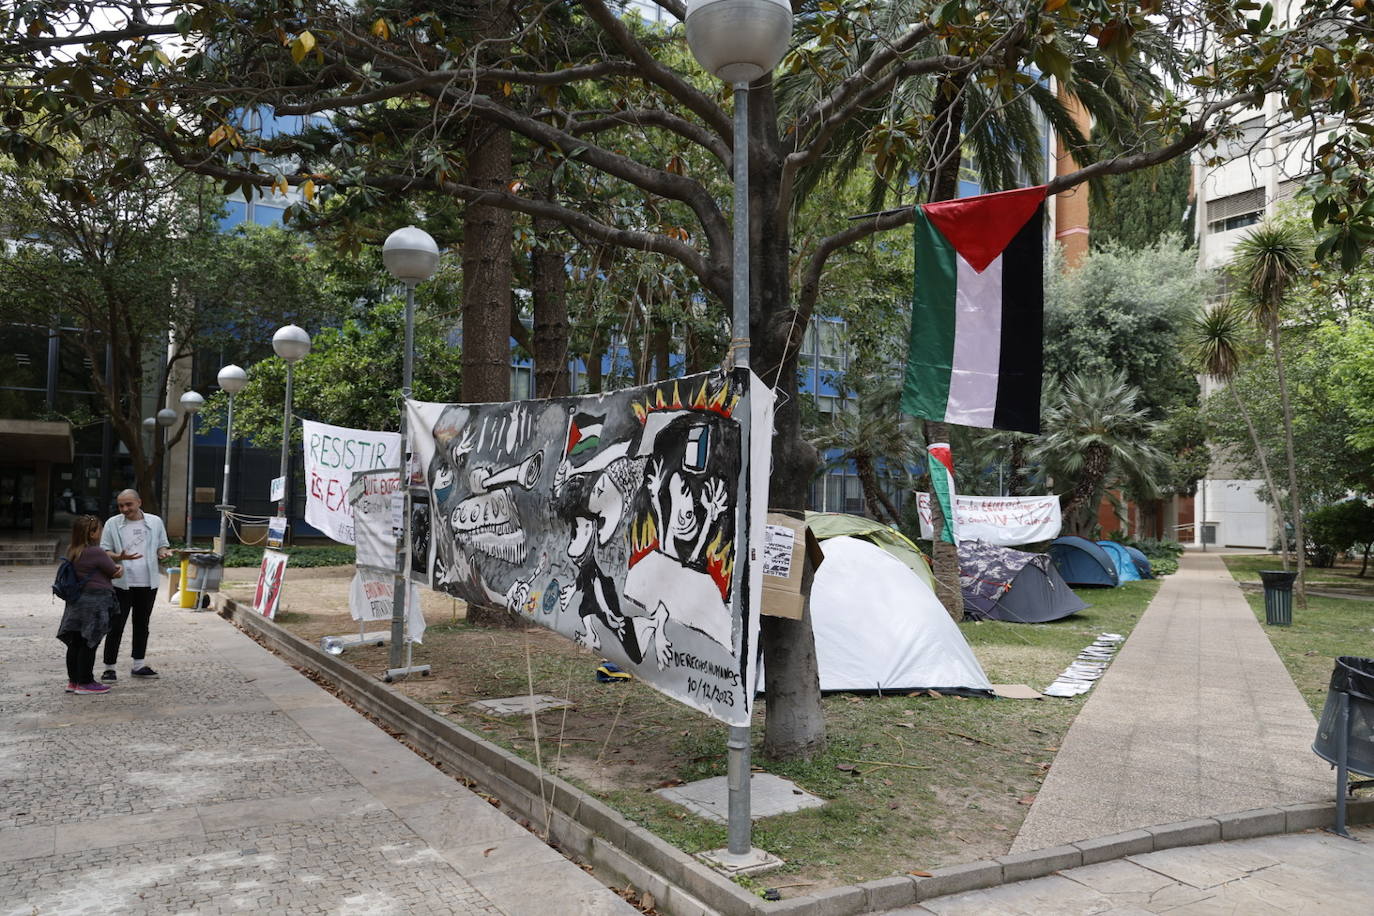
x,y
1196,716
1310,873
234,784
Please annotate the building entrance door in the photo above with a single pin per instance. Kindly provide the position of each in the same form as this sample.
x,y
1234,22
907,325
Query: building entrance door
x,y
16,499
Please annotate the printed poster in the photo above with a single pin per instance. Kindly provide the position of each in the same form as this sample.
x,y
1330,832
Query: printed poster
x,y
618,520
267,596
372,495
1006,521
332,455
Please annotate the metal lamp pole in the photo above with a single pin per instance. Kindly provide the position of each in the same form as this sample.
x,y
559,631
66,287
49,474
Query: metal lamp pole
x,y
411,256
231,381
291,343
191,402
739,41
165,418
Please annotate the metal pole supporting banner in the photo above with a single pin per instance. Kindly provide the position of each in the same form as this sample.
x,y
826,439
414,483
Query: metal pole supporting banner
x,y
399,592
225,508
190,475
740,827
285,440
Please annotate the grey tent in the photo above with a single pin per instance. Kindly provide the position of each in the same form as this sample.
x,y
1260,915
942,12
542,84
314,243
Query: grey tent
x,y
999,583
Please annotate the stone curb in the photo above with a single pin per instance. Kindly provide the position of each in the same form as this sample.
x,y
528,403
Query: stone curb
x,y
623,853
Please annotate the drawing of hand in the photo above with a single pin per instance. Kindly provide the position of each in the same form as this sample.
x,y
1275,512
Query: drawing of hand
x,y
465,445
653,478
560,476
565,596
715,500
616,621
586,637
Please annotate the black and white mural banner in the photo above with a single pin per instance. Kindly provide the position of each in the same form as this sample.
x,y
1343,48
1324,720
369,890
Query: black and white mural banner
x,y
619,520
375,498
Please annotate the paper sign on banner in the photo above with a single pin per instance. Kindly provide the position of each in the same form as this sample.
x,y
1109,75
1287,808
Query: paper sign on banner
x,y
267,595
1006,521
372,495
631,522
332,455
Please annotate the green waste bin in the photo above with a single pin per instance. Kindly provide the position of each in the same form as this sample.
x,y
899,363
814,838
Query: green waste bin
x,y
1278,597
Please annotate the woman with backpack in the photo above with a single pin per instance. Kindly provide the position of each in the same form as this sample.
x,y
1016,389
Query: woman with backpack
x,y
86,617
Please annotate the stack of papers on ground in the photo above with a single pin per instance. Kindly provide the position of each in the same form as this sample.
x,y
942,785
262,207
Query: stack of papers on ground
x,y
1084,671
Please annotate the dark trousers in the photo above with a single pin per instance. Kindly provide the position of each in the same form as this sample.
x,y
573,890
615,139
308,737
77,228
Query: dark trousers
x,y
80,661
138,601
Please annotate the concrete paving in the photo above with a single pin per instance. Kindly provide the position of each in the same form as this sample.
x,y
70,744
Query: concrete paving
x,y
1197,716
233,784
769,795
1309,873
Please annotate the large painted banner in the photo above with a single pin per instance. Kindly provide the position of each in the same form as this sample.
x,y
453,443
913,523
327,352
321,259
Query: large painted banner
x,y
1007,521
373,495
618,520
332,455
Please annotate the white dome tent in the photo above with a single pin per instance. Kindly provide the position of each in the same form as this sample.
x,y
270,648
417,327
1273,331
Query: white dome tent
x,y
879,627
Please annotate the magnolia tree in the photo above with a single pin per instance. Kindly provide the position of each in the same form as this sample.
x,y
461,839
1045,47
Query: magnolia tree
x,y
544,109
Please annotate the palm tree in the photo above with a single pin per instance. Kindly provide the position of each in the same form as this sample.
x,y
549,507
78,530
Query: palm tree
x,y
1269,261
872,428
1095,434
1216,343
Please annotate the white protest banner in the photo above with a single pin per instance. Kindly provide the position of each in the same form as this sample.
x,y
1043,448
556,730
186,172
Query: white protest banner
x,y
371,495
618,520
332,455
267,596
1006,521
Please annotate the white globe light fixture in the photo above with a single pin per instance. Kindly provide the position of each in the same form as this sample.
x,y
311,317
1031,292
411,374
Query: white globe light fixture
x,y
738,40
410,255
231,380
150,423
166,416
192,402
291,343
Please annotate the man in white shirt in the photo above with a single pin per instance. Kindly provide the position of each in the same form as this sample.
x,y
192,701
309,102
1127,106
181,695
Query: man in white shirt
x,y
138,540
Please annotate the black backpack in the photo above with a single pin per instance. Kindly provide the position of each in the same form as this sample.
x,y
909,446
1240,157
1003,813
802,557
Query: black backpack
x,y
65,584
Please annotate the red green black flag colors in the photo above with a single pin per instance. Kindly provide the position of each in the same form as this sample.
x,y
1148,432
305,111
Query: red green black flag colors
x,y
975,354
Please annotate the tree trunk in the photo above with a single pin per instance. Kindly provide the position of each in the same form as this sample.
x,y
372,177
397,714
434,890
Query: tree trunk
x,y
878,504
550,281
1294,496
795,725
487,270
944,556
1080,506
1274,494
1016,480
1364,564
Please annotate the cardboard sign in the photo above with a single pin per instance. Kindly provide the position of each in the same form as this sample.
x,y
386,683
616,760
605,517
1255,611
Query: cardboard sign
x,y
267,596
787,543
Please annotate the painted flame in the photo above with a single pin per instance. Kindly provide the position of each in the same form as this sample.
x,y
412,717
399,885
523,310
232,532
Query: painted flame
x,y
720,563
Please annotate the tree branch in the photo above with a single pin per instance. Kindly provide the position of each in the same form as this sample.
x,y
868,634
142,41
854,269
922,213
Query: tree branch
x,y
654,117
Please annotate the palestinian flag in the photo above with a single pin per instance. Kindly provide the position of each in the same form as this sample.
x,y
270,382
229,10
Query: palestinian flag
x,y
584,432
976,313
941,467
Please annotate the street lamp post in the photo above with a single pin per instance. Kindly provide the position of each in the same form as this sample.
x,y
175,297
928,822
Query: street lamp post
x,y
165,418
231,381
411,256
739,41
191,402
291,343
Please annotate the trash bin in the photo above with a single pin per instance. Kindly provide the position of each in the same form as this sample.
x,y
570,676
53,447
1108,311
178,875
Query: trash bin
x,y
1278,597
1345,734
207,569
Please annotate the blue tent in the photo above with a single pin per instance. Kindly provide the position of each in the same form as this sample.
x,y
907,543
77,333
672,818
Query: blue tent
x,y
1081,562
1125,566
1142,562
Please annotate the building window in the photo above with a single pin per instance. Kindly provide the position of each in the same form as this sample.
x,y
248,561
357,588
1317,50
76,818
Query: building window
x,y
1235,210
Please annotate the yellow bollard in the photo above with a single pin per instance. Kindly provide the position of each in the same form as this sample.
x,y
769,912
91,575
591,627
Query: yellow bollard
x,y
188,597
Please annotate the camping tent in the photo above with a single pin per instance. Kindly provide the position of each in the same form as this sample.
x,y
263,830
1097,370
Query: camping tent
x,y
1000,583
1142,562
1125,565
836,524
878,627
1081,562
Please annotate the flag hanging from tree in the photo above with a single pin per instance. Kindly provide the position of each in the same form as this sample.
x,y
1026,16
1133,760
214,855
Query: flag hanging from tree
x,y
941,467
975,354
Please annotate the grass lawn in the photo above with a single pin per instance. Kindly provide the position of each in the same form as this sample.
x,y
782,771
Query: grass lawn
x,y
911,782
1328,628
1343,577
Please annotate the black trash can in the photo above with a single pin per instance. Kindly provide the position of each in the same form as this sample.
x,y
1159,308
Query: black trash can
x,y
1278,596
1345,734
